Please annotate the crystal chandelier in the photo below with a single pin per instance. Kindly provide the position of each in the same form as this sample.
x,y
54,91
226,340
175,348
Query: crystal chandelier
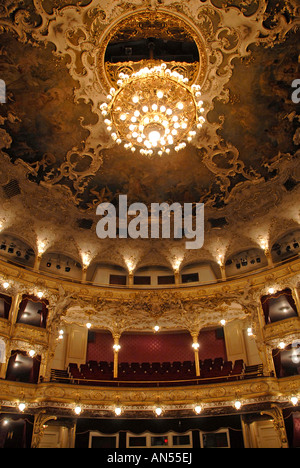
x,y
153,110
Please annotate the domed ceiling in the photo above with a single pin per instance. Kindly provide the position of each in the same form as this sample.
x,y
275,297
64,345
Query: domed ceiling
x,y
58,161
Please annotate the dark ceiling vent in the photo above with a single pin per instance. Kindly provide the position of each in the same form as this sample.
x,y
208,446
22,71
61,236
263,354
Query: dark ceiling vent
x,y
290,184
12,189
218,223
85,223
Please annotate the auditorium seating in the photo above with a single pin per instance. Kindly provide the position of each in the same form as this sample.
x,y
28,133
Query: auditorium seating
x,y
211,371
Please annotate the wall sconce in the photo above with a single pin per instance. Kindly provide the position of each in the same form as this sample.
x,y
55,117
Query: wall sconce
x,y
264,244
196,346
88,325
41,246
281,345
5,285
198,409
31,353
116,347
223,322
86,260
40,294
156,328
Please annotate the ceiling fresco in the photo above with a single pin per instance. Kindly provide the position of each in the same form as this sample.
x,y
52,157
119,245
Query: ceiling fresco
x,y
52,59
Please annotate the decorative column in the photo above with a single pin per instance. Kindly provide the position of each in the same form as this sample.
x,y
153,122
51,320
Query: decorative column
x,y
130,279
117,348
296,298
269,257
223,272
278,422
17,299
4,365
195,346
40,421
83,275
265,351
37,262
177,277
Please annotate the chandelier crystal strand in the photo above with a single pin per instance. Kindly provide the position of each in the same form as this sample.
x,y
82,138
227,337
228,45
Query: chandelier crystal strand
x,y
153,110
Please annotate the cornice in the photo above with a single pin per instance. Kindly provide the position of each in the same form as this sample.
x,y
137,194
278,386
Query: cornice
x,y
62,398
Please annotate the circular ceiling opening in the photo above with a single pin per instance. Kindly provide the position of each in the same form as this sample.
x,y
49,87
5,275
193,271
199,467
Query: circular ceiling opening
x,y
156,36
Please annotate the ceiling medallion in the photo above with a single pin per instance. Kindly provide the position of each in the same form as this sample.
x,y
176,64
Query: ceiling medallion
x,y
153,110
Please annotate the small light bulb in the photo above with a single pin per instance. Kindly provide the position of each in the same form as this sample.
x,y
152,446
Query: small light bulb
x,y
157,328
22,407
223,322
118,411
198,409
294,400
237,404
158,411
5,285
77,409
88,325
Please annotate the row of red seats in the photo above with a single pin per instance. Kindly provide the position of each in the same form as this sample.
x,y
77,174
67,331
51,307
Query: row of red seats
x,y
156,371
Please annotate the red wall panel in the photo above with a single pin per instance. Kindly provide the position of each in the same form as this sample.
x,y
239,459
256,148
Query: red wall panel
x,y
158,347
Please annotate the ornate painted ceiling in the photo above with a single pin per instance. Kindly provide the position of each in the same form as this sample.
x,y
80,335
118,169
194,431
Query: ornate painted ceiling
x,y
243,164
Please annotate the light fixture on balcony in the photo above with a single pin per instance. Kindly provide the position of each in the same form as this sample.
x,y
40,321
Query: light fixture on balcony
x,y
153,110
294,400
118,411
158,411
77,409
22,407
237,404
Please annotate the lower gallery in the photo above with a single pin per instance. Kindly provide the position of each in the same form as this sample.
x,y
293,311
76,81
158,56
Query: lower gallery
x,y
130,341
